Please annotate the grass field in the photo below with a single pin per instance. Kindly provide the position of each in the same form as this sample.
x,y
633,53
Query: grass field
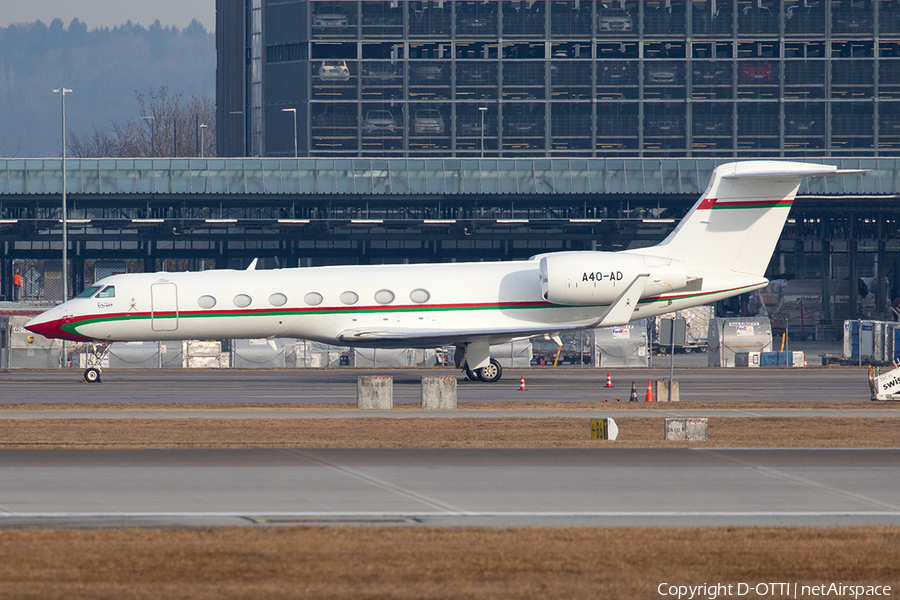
x,y
444,432
432,563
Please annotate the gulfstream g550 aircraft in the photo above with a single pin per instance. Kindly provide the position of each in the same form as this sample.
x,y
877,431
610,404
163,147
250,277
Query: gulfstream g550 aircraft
x,y
720,249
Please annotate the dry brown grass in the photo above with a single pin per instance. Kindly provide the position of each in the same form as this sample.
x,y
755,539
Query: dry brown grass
x,y
487,406
425,563
443,432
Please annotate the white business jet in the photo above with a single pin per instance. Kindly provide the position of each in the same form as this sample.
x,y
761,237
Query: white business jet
x,y
720,249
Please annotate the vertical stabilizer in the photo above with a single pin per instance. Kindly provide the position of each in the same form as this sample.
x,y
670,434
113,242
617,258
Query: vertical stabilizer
x,y
736,223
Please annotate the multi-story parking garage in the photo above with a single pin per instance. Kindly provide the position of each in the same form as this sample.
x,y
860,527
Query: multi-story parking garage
x,y
180,214
793,78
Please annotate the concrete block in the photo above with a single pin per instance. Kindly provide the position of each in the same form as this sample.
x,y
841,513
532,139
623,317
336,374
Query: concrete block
x,y
374,393
682,429
662,391
439,393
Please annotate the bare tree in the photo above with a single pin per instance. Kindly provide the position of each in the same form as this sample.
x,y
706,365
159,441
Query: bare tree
x,y
168,125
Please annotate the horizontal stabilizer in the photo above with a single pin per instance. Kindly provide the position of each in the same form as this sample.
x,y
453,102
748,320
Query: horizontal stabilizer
x,y
735,225
827,171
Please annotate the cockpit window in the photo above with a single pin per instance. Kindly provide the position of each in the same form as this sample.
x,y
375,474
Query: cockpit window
x,y
108,292
90,291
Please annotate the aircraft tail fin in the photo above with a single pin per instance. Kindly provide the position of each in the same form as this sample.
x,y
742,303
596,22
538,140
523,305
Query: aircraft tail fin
x,y
736,223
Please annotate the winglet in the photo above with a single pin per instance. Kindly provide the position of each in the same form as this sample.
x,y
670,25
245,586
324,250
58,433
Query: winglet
x,y
620,311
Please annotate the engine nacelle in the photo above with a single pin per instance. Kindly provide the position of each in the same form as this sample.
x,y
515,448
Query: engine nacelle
x,y
591,278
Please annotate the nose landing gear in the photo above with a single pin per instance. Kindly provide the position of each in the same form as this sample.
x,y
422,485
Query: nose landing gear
x,y
97,352
92,375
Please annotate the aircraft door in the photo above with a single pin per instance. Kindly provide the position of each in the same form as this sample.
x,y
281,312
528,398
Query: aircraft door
x,y
163,307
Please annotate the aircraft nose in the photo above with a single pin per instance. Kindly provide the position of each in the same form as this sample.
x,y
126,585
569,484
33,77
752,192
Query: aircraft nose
x,y
44,324
49,324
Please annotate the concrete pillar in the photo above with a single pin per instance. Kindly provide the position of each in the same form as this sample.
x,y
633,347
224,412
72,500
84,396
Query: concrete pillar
x,y
825,240
374,393
438,393
853,275
881,272
799,256
662,391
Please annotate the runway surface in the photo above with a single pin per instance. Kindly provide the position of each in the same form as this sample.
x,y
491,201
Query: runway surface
x,y
608,487
339,385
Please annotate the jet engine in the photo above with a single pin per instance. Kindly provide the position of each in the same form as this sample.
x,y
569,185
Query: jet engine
x,y
591,278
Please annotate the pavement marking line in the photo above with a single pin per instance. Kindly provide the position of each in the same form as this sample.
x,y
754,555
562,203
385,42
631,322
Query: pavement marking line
x,y
449,513
378,482
804,481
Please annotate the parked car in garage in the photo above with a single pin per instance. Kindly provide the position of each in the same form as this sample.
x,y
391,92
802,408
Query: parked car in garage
x,y
660,73
428,120
428,73
614,20
334,70
329,15
756,72
380,121
381,71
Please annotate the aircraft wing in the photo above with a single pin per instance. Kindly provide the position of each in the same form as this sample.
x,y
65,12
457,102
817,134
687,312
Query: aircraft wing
x,y
618,313
399,337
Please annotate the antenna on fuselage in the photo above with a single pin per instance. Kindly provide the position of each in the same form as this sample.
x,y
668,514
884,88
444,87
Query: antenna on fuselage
x,y
252,266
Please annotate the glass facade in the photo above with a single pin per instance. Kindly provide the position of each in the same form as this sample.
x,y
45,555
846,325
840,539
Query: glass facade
x,y
401,176
578,78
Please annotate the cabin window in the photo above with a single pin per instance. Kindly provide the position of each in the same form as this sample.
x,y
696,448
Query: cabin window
x,y
277,299
384,296
206,301
419,296
242,300
313,298
90,291
349,298
108,292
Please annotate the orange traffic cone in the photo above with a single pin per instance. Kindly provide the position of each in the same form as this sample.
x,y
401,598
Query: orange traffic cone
x,y
649,392
633,397
606,399
608,379
522,384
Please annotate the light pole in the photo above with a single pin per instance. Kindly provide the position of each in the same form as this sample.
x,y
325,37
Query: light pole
x,y
65,235
202,127
293,110
196,133
243,131
174,134
65,229
152,135
482,110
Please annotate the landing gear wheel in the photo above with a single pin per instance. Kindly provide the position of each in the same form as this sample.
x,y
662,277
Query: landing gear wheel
x,y
490,373
92,375
470,373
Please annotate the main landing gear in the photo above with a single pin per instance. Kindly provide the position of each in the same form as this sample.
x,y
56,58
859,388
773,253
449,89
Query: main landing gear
x,y
477,353
97,352
488,374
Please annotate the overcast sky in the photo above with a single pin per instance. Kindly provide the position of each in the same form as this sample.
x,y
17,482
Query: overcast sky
x,y
109,13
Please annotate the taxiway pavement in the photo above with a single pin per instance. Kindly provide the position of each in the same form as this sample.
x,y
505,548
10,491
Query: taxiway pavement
x,y
604,487
299,386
